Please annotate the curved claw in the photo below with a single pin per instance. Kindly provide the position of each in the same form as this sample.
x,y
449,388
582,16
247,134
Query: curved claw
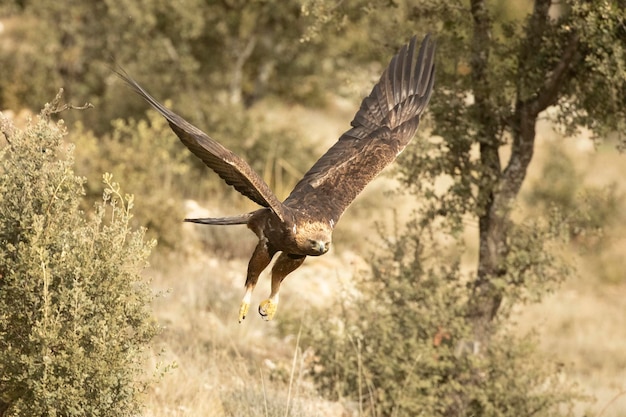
x,y
267,309
243,310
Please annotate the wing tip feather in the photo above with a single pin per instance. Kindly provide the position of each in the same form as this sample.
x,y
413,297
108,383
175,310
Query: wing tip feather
x,y
406,76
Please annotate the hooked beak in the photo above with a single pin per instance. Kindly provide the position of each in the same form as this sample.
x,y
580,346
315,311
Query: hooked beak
x,y
322,247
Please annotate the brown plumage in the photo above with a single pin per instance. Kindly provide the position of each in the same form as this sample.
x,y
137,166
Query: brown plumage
x,y
302,225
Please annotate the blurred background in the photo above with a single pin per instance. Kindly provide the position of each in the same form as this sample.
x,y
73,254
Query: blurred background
x,y
277,82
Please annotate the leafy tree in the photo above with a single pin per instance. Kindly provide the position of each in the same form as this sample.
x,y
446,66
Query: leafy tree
x,y
495,79
75,318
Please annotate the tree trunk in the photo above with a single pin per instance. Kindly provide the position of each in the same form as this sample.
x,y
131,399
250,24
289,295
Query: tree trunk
x,y
485,300
497,188
495,223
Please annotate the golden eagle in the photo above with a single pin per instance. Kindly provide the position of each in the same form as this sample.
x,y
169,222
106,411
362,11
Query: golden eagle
x,y
303,224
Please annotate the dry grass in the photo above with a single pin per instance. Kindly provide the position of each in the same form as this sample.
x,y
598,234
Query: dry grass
x,y
584,327
222,368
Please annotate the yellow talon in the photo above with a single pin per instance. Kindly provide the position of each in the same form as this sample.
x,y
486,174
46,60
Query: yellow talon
x,y
267,309
243,310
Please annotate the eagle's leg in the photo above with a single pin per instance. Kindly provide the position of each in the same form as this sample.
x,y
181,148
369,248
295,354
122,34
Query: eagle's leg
x,y
285,264
260,259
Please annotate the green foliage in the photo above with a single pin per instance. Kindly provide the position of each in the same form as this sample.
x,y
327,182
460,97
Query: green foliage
x,y
402,345
597,95
218,53
75,318
520,62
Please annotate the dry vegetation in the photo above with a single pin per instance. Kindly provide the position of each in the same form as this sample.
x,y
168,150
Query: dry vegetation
x,y
226,369
223,368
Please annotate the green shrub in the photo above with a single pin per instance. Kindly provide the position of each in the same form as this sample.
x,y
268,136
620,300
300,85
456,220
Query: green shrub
x,y
402,345
75,317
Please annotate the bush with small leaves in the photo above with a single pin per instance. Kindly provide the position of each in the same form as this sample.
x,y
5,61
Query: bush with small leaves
x,y
75,316
403,345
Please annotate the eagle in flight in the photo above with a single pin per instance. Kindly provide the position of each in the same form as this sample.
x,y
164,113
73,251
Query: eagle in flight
x,y
303,224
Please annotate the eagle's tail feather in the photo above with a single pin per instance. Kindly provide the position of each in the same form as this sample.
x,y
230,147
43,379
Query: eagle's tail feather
x,y
223,221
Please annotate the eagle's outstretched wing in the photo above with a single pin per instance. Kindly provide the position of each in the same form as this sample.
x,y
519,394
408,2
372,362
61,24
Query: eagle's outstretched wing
x,y
383,126
230,167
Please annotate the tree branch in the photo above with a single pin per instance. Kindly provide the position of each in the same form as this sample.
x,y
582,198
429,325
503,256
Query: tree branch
x,y
527,110
536,29
549,93
531,44
523,124
480,51
237,78
6,127
56,106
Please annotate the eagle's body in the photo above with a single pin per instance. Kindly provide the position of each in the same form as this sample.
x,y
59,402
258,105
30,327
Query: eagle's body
x,y
302,225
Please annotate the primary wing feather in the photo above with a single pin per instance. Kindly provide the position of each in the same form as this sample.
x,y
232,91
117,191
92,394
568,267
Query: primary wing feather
x,y
385,123
230,167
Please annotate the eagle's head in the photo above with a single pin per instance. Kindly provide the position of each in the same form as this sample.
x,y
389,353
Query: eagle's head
x,y
313,238
318,246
